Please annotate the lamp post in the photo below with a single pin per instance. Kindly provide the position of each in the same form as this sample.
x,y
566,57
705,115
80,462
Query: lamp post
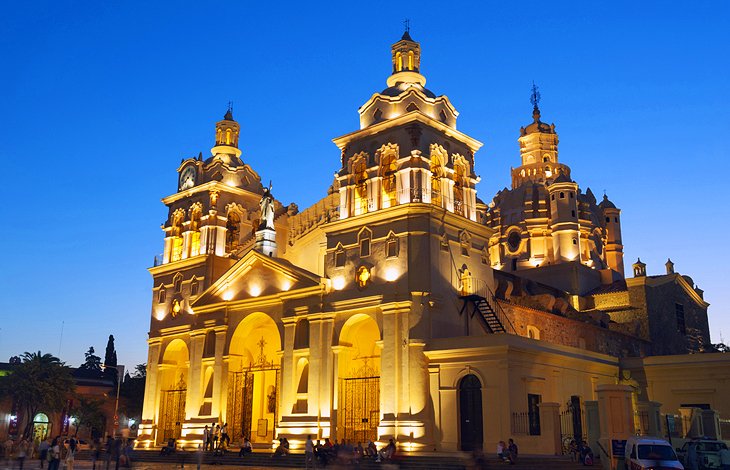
x,y
120,376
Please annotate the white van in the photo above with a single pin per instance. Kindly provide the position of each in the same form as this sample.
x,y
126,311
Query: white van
x,y
650,453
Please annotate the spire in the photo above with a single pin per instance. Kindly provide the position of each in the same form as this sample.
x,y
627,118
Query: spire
x,y
229,113
535,100
407,32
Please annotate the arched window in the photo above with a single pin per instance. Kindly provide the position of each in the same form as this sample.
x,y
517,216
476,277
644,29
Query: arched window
x,y
161,295
228,137
439,156
411,61
233,231
398,62
389,177
533,332
195,214
301,334
360,177
459,177
194,286
391,246
177,282
363,240
562,195
176,232
340,256
465,242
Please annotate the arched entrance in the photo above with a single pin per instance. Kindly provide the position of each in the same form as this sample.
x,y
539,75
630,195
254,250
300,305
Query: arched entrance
x,y
359,380
173,390
41,427
253,379
471,433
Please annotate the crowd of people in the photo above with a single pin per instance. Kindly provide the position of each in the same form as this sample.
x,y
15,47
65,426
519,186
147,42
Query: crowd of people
x,y
114,452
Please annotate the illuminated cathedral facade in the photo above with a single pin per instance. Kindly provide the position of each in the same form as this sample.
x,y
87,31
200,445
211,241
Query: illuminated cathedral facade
x,y
400,305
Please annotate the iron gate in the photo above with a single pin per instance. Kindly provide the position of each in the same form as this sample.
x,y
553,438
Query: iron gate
x,y
360,413
240,399
173,414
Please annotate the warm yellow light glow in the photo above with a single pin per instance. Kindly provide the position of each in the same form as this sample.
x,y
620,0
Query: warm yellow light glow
x,y
286,285
254,290
391,274
227,295
338,282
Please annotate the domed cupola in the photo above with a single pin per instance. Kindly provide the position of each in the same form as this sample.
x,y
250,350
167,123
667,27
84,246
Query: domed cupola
x,y
539,151
406,92
226,148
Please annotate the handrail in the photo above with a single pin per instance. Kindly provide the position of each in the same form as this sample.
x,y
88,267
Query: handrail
x,y
473,286
598,443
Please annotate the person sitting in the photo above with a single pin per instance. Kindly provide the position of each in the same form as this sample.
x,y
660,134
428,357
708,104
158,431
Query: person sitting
x,y
387,452
501,451
283,448
512,452
371,451
246,447
169,448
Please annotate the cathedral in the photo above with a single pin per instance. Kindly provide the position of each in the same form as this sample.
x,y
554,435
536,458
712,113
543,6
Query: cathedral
x,y
400,305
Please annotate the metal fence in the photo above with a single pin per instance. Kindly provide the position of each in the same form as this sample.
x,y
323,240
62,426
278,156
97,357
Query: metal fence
x,y
520,423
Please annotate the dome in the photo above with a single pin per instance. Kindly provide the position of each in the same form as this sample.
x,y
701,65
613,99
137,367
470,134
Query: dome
x,y
606,203
401,87
537,125
562,178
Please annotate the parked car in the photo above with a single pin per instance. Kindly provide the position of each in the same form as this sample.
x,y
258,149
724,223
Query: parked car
x,y
707,450
80,444
650,453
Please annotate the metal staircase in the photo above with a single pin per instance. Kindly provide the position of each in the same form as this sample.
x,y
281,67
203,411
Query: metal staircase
x,y
477,295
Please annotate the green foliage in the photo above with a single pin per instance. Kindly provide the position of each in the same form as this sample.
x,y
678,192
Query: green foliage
x,y
89,415
39,382
92,362
132,392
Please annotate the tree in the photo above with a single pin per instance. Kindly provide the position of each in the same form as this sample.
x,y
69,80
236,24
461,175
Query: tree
x,y
89,415
39,382
132,392
92,362
110,355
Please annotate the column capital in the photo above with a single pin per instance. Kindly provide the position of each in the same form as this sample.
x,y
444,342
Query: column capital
x,y
396,307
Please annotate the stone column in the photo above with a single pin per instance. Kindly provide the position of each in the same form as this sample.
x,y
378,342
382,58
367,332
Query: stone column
x,y
434,384
691,422
616,419
550,428
193,400
220,395
151,394
336,390
288,370
711,424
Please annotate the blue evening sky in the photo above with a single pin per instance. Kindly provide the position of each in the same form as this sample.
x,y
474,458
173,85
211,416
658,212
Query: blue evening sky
x,y
101,100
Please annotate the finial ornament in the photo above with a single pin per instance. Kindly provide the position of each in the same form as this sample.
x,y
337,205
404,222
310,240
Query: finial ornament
x,y
407,25
229,112
535,96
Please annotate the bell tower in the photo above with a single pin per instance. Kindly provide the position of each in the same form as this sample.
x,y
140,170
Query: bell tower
x,y
406,61
226,136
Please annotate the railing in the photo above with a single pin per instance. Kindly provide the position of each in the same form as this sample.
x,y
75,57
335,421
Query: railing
x,y
642,422
520,422
473,286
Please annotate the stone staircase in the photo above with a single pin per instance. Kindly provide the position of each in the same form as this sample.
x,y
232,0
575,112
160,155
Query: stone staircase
x,y
436,461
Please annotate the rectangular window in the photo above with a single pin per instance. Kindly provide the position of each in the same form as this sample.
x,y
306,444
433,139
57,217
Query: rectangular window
x,y
679,312
365,247
533,413
339,258
391,248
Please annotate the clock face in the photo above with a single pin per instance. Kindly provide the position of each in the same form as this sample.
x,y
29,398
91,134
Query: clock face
x,y
187,178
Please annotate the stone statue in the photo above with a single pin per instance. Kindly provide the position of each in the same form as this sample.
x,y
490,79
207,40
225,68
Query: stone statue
x,y
267,209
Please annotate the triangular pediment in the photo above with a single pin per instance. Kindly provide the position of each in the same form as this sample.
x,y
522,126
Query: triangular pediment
x,y
256,276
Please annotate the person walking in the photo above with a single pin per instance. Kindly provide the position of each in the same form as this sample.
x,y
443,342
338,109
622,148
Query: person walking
x,y
55,452
309,453
22,453
216,437
43,450
70,456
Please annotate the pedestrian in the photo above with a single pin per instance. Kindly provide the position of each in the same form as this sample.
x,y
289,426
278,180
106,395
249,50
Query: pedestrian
x,y
216,437
246,447
206,438
8,451
70,456
22,453
225,440
95,452
43,450
724,459
108,447
55,453
309,453
512,451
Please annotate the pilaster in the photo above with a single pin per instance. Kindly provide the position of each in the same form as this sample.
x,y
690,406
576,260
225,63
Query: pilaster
x,y
195,387
219,369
